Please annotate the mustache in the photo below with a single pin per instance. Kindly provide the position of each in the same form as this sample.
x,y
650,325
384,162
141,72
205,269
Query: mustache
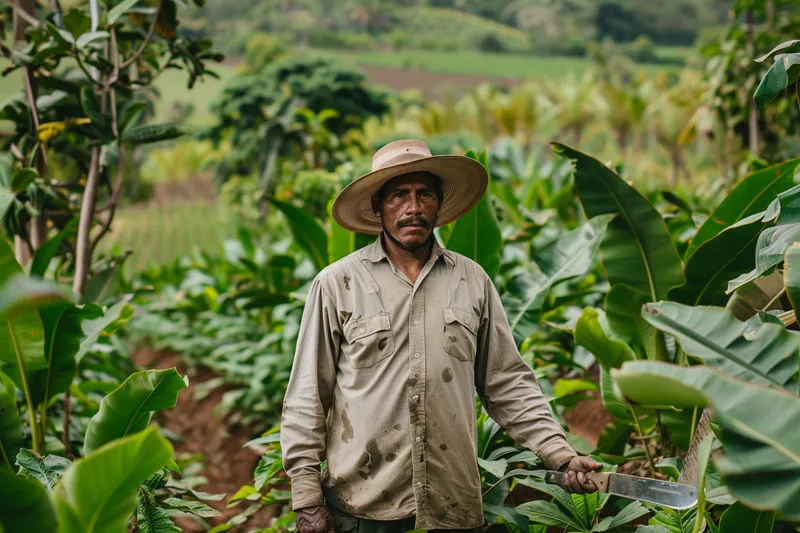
x,y
414,221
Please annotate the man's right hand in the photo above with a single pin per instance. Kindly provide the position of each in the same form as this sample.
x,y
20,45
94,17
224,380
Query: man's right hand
x,y
314,519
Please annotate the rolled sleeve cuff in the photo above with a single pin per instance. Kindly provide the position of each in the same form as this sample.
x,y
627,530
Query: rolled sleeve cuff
x,y
557,454
306,491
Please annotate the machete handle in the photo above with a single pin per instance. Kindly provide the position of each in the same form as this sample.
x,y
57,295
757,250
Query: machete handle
x,y
600,479
554,477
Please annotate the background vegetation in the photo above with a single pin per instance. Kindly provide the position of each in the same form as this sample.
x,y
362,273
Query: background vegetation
x,y
164,208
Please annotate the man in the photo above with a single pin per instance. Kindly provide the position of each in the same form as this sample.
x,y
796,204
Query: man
x,y
395,340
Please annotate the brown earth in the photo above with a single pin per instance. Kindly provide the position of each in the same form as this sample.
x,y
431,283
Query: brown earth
x,y
227,465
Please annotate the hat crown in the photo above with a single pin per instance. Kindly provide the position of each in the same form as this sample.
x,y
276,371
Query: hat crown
x,y
398,152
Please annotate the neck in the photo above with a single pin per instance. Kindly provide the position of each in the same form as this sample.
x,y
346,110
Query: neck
x,y
407,259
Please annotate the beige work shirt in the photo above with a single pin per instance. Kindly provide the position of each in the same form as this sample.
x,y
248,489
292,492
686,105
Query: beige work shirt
x,y
383,387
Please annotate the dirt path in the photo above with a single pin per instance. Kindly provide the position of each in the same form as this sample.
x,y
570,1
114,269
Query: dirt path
x,y
228,465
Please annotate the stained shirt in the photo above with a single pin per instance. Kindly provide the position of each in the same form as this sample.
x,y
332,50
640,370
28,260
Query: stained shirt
x,y
383,388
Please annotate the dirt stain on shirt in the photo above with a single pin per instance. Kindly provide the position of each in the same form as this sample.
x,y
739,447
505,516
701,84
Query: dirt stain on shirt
x,y
347,432
447,375
370,461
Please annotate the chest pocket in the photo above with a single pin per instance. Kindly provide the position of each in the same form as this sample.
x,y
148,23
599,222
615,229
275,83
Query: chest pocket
x,y
460,333
369,340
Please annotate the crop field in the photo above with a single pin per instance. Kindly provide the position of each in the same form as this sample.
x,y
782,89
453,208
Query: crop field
x,y
162,234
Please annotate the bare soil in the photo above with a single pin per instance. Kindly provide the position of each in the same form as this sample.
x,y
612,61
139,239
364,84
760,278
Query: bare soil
x,y
227,465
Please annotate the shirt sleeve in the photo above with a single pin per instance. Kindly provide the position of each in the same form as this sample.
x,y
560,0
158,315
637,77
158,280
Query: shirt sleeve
x,y
309,395
510,391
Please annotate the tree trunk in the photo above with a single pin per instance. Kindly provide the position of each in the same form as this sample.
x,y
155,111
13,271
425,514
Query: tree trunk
x,y
83,249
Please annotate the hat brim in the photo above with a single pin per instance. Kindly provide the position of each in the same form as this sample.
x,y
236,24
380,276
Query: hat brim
x,y
464,182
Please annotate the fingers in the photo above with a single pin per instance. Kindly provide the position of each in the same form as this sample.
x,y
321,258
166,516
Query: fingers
x,y
572,482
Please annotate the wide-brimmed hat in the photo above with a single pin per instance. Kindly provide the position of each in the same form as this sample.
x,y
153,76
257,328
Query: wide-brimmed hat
x,y
464,182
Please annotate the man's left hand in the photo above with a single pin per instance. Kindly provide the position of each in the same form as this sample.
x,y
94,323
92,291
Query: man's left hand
x,y
575,479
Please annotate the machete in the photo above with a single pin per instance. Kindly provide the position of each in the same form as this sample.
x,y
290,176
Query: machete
x,y
665,493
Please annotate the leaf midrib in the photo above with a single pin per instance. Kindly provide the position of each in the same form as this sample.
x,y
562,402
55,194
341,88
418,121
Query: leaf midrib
x,y
700,339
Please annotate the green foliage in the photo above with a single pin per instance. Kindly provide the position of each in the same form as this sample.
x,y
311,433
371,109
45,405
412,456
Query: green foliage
x,y
260,109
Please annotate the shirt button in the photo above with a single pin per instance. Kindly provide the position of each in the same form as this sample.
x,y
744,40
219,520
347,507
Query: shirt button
x,y
416,322
416,398
418,439
416,355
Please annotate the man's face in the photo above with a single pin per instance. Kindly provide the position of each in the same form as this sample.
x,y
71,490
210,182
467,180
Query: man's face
x,y
409,208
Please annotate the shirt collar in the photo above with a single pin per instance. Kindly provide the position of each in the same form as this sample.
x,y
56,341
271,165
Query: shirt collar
x,y
375,253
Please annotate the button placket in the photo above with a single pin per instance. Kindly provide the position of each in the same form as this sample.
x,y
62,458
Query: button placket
x,y
416,394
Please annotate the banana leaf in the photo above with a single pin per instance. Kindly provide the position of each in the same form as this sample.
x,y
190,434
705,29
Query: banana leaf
x,y
476,235
637,248
713,334
10,424
127,410
760,427
21,330
570,256
98,493
751,195
25,506
726,255
791,275
307,232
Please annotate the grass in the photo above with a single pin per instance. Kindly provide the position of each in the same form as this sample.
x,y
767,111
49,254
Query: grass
x,y
481,63
162,234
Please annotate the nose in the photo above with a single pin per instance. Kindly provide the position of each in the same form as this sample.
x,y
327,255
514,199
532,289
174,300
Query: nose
x,y
414,206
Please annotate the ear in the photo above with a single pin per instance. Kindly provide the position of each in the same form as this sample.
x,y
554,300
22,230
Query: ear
x,y
376,204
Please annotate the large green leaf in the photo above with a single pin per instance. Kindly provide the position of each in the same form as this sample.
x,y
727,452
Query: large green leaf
x,y
752,195
342,242
592,335
623,307
637,249
781,74
716,336
10,424
740,519
773,241
307,232
97,494
570,256
476,235
127,409
760,427
63,335
726,255
25,506
21,330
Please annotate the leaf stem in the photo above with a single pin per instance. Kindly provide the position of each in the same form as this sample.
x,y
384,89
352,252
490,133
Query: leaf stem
x,y
639,430
35,437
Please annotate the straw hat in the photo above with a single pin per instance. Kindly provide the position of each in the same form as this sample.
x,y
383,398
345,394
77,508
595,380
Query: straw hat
x,y
464,181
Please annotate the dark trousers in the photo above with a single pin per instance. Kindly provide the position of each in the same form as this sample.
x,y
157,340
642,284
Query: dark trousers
x,y
346,523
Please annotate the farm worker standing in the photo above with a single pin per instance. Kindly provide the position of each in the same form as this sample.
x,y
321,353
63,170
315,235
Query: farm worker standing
x,y
395,340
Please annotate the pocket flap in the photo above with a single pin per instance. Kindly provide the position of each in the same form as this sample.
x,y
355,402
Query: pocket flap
x,y
367,326
463,317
